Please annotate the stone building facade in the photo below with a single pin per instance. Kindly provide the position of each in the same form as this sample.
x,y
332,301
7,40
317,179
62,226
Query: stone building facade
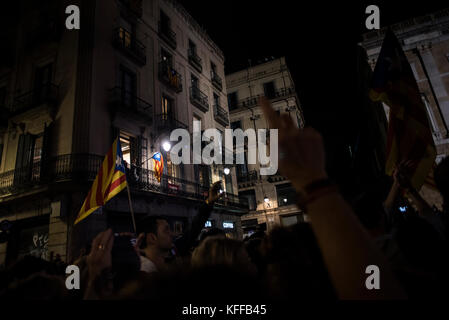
x,y
135,69
271,198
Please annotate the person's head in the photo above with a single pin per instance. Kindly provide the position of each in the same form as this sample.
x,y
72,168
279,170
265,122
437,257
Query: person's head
x,y
211,233
293,264
221,251
157,233
441,175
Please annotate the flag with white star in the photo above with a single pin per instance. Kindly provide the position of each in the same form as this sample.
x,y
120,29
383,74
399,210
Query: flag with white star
x,y
110,180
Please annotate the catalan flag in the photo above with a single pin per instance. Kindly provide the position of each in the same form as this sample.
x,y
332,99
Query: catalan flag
x,y
110,180
409,134
158,164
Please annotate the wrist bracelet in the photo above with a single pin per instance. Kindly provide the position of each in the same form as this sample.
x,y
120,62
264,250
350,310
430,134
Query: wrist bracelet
x,y
316,190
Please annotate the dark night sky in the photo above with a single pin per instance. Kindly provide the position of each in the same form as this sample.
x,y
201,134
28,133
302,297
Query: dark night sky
x,y
317,39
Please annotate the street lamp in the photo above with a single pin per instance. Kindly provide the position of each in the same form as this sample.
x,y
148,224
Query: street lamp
x,y
266,199
166,146
226,171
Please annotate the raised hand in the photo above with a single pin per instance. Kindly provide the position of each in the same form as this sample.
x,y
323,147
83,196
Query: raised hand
x,y
100,257
301,156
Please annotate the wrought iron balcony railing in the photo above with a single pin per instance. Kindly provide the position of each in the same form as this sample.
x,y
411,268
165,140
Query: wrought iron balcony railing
x,y
170,76
166,122
121,99
195,61
248,177
216,80
85,167
221,115
46,94
126,42
199,99
252,101
167,34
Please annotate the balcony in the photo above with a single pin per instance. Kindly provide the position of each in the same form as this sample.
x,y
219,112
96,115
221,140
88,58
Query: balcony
x,y
133,6
127,43
85,167
170,76
127,103
221,115
45,95
216,80
252,101
195,61
251,176
167,123
199,99
168,35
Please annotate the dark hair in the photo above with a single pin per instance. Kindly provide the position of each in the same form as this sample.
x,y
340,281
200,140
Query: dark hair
x,y
211,232
149,224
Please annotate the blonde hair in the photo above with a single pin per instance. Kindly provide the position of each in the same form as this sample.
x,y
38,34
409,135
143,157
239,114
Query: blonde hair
x,y
218,250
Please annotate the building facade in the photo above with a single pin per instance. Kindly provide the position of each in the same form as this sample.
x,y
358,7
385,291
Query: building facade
x,y
271,199
425,41
135,70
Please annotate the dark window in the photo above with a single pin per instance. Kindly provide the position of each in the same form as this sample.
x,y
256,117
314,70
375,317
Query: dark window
x,y
216,100
232,100
251,196
128,81
228,180
213,67
192,47
286,194
165,21
268,89
1,152
167,58
42,79
195,82
236,125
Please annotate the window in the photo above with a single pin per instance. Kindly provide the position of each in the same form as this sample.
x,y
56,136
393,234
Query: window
x,y
236,125
166,57
1,150
128,82
216,100
268,89
194,81
165,22
126,32
192,47
232,100
213,68
228,182
286,194
42,79
251,196
167,108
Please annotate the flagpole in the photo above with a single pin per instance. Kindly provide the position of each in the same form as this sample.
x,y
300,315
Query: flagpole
x,y
131,207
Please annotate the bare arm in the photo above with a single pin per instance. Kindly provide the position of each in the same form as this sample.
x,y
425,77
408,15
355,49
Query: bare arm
x,y
346,247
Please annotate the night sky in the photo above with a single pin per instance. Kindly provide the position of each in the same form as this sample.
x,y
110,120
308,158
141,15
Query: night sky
x,y
317,38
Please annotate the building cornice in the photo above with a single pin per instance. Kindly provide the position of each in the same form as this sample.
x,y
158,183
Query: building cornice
x,y
192,22
436,23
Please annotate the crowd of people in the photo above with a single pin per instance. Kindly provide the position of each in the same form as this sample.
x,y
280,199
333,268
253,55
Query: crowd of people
x,y
324,258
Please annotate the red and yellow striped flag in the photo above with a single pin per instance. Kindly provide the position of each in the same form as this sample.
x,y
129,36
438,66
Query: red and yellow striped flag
x,y
110,180
409,134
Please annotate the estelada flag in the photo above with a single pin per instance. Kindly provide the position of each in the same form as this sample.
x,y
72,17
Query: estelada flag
x,y
110,180
409,134
158,165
